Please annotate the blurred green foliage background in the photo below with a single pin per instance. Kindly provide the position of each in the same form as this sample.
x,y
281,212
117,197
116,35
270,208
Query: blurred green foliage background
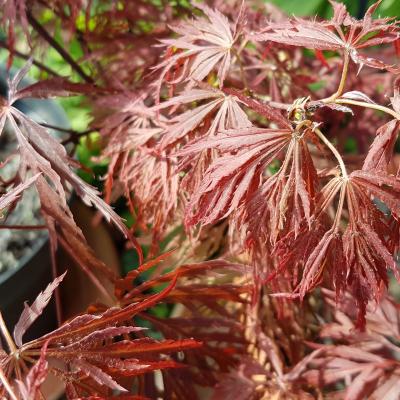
x,y
322,8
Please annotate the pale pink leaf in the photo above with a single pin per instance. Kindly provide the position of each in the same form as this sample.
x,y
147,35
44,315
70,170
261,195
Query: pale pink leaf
x,y
31,313
358,96
97,374
29,389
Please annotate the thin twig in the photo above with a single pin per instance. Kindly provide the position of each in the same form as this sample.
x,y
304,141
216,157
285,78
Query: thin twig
x,y
57,295
24,227
74,134
38,64
75,138
53,43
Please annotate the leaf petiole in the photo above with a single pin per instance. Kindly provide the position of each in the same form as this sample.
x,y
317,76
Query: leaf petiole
x,y
334,151
378,107
7,335
342,82
6,384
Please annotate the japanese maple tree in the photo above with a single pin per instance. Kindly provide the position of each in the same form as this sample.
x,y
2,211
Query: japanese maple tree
x,y
256,156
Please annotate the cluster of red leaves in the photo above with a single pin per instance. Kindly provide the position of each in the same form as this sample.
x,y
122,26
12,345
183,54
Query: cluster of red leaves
x,y
104,350
226,157
229,135
342,32
90,359
367,362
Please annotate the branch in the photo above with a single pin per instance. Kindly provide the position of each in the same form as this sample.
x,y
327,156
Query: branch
x,y
53,43
38,64
24,227
75,135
